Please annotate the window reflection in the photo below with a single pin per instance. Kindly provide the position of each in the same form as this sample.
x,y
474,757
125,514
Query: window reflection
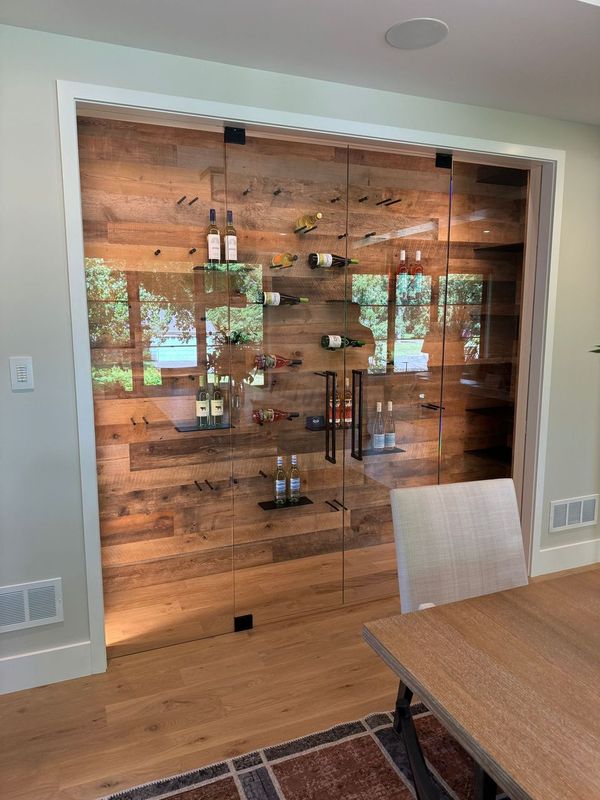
x,y
371,293
413,322
462,310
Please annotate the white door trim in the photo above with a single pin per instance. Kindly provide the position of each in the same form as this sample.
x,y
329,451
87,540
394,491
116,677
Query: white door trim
x,y
70,94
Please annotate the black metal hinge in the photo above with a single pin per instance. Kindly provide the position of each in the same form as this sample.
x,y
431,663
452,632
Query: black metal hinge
x,y
235,135
443,160
245,622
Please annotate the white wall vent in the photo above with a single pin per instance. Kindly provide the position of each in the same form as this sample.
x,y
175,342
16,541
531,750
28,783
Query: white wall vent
x,y
26,605
577,512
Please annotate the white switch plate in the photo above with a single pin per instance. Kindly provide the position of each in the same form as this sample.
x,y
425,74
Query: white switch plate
x,y
21,373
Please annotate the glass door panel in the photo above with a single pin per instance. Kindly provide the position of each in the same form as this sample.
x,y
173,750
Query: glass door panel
x,y
164,481
288,199
480,304
398,211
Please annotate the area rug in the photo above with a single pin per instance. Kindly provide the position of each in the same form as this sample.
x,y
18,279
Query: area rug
x,y
360,760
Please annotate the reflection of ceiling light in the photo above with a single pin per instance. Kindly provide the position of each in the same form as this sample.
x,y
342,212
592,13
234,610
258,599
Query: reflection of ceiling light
x,y
413,34
591,2
487,231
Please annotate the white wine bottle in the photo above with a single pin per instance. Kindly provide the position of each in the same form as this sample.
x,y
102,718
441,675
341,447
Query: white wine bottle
x,y
294,482
213,239
230,239
378,430
334,342
202,403
327,260
389,428
347,421
216,404
279,299
307,222
280,483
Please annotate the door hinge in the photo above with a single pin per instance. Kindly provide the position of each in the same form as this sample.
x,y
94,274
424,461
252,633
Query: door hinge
x,y
245,622
443,160
234,135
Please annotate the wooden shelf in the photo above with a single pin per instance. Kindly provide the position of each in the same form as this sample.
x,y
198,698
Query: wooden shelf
x,y
513,247
385,452
500,453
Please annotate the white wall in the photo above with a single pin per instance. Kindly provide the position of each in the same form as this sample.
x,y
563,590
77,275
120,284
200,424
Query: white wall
x,y
40,496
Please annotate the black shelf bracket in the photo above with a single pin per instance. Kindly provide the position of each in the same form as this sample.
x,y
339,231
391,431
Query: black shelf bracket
x,y
234,135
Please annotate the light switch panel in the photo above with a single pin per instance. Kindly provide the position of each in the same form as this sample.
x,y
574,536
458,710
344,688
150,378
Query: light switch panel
x,y
21,373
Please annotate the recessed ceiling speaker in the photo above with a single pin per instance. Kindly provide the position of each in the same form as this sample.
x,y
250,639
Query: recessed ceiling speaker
x,y
414,34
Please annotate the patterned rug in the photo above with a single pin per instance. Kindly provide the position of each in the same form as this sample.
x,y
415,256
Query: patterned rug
x,y
361,760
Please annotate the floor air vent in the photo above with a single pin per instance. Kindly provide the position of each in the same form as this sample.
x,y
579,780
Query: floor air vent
x,y
26,605
577,512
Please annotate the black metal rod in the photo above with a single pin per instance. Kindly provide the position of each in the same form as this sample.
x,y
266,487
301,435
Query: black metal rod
x,y
371,233
192,251
198,486
362,199
181,199
392,202
277,191
157,252
192,201
485,787
335,508
404,726
342,235
382,202
356,424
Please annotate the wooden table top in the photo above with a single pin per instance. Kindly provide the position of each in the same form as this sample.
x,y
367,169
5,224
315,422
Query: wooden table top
x,y
515,677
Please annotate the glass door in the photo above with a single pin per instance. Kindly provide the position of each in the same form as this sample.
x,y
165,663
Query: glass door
x,y
288,205
479,303
398,211
157,311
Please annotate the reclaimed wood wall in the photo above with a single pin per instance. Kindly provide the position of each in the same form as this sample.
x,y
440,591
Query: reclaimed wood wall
x,y
185,544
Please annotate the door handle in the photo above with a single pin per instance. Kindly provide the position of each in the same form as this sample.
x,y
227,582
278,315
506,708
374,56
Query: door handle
x,y
357,406
330,392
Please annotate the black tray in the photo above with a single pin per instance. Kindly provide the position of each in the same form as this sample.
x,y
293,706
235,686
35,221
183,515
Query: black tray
x,y
270,505
188,427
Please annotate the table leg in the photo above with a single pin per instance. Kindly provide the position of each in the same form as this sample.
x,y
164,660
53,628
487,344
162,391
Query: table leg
x,y
485,787
404,726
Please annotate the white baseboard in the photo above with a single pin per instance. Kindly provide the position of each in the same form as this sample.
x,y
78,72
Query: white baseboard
x,y
565,556
26,670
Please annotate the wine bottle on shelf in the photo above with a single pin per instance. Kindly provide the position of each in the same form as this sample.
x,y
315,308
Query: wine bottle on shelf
x,y
283,260
418,272
213,240
265,415
402,275
347,404
294,481
273,361
316,260
334,342
279,299
307,222
335,405
280,483
230,240
202,407
389,428
216,404
378,430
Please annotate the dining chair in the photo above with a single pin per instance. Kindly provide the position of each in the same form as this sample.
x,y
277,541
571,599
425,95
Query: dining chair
x,y
453,541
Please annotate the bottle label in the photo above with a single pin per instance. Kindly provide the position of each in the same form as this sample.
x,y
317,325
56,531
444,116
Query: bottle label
x,y
214,247
335,341
324,259
272,298
202,408
231,248
378,441
390,440
216,408
295,485
280,487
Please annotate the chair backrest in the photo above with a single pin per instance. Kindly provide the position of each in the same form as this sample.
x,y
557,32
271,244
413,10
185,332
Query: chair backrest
x,y
457,540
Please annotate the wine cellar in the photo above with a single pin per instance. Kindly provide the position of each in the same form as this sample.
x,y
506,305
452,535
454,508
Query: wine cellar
x,y
344,280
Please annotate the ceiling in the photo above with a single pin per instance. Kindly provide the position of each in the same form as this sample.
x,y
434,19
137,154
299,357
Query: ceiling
x,y
535,56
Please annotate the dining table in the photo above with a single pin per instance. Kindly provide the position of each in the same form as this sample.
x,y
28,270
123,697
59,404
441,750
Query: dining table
x,y
514,677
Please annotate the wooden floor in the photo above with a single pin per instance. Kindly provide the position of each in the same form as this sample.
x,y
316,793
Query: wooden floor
x,y
181,707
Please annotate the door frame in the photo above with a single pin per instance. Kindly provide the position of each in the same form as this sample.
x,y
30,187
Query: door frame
x,y
542,253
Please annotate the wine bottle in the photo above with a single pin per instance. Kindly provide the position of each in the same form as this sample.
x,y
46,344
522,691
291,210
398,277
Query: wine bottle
x,y
378,430
279,299
294,481
347,405
335,405
273,361
202,403
402,275
213,238
280,483
263,415
389,428
283,260
307,222
334,342
418,272
328,260
230,240
216,404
